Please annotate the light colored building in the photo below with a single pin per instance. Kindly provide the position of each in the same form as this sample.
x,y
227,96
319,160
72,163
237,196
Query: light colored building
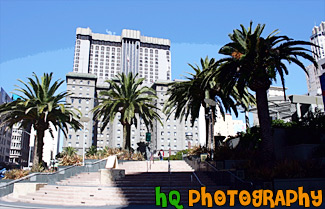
x,y
317,38
290,108
51,144
107,55
5,136
227,126
99,57
173,132
171,135
83,87
19,148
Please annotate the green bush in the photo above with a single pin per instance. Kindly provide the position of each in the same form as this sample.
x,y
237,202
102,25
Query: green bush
x,y
281,124
178,156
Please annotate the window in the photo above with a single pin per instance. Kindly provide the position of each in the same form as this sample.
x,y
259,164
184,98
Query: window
x,y
77,144
77,137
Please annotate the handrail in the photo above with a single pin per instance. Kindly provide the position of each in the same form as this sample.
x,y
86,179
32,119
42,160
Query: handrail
x,y
236,177
197,178
39,173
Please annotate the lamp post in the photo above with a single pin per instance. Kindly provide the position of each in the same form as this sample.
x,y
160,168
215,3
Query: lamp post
x,y
189,137
30,148
211,103
84,120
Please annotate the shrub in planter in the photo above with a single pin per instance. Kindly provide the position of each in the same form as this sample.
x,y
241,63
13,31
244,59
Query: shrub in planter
x,y
197,150
70,160
16,174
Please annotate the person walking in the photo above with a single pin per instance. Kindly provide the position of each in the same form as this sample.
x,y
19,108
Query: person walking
x,y
161,154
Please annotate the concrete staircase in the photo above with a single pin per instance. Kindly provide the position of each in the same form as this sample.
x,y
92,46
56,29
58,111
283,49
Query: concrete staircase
x,y
136,188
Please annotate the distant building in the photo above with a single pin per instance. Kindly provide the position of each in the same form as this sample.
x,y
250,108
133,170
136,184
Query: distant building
x,y
172,134
318,38
227,126
107,55
19,148
85,92
290,108
99,57
5,136
313,82
51,144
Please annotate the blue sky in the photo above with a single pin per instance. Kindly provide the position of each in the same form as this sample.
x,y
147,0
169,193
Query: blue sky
x,y
39,36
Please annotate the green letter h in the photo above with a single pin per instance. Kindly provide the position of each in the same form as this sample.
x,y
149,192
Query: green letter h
x,y
161,196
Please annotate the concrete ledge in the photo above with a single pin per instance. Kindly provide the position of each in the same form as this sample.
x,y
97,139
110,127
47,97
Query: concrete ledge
x,y
25,188
109,175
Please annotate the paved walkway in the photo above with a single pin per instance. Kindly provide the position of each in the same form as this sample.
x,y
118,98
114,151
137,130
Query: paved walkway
x,y
5,205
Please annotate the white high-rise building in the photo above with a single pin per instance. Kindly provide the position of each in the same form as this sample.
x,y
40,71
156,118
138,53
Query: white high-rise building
x,y
107,55
318,38
313,82
99,57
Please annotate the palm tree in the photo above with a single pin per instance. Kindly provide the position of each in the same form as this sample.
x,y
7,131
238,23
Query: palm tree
x,y
39,105
253,61
69,151
130,99
187,97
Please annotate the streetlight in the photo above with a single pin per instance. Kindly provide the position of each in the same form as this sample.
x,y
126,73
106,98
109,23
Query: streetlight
x,y
189,137
30,148
211,103
84,120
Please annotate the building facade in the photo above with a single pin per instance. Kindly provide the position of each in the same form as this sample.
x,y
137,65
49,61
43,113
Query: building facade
x,y
107,55
226,126
172,134
313,82
51,144
5,135
99,57
290,108
19,148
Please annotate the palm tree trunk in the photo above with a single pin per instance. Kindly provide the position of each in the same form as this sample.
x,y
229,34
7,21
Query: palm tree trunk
x,y
127,136
38,148
265,125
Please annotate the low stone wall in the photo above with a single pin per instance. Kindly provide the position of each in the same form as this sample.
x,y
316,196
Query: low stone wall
x,y
107,176
25,188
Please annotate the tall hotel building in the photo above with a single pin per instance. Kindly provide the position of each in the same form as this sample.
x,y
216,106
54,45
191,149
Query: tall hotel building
x,y
313,81
99,57
106,55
